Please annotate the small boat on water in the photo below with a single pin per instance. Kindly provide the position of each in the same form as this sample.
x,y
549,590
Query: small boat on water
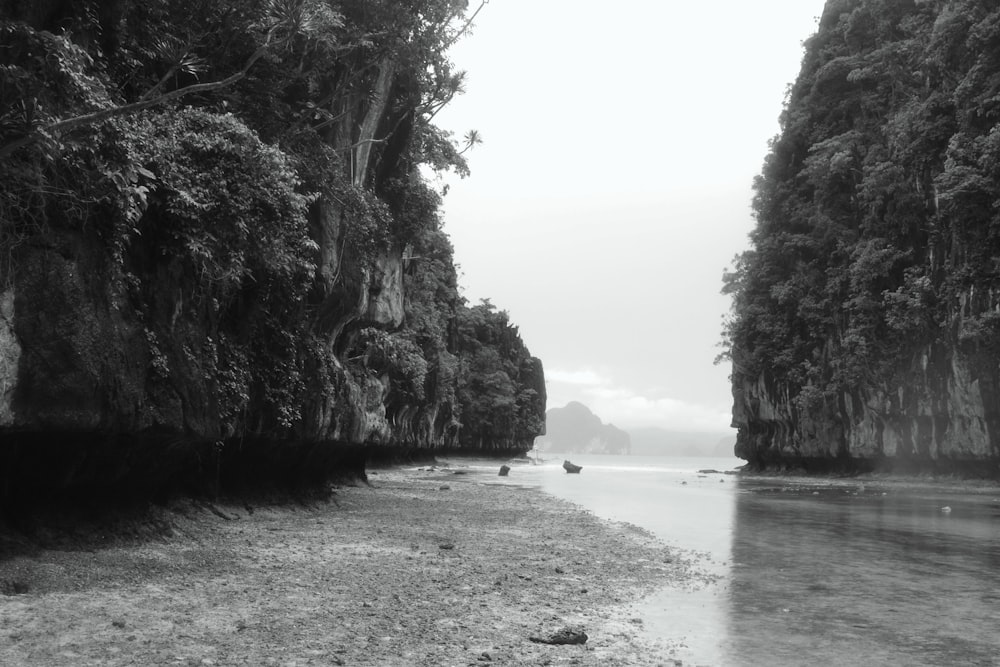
x,y
571,467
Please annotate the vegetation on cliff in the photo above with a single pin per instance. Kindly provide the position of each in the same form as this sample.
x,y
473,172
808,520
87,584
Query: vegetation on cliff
x,y
214,225
866,313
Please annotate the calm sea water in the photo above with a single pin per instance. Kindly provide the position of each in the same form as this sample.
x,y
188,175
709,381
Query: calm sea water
x,y
809,571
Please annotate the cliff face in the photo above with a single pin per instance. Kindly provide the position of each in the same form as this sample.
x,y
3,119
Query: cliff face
x,y
940,414
864,332
247,278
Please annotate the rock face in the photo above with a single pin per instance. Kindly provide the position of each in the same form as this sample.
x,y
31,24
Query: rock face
x,y
95,396
133,402
574,428
247,288
10,356
940,415
865,329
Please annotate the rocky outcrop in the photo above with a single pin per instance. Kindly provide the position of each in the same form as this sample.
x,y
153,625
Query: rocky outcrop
x,y
867,313
213,292
574,428
99,393
941,414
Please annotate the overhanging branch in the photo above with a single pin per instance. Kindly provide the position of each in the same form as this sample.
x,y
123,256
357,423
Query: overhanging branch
x,y
70,124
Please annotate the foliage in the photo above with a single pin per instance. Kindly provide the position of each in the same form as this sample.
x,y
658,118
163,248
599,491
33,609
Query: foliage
x,y
69,180
212,167
498,393
878,209
432,302
399,357
244,167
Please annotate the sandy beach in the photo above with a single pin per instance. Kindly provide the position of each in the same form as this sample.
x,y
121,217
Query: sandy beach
x,y
419,567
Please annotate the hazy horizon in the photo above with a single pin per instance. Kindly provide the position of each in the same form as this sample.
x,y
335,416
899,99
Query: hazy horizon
x,y
613,187
629,428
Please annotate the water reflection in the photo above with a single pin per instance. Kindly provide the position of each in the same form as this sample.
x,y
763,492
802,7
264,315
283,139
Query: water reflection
x,y
812,571
862,579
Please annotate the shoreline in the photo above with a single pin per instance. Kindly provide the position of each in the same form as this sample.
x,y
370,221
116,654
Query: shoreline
x,y
418,568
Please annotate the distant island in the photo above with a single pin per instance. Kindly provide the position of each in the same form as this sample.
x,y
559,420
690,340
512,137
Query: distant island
x,y
575,428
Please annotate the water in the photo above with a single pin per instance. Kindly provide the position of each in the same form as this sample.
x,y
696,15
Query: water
x,y
810,571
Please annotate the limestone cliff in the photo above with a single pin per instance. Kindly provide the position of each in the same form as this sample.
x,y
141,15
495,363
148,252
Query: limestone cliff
x,y
221,263
864,333
939,414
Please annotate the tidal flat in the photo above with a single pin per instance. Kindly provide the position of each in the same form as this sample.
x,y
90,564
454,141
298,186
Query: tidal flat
x,y
863,570
418,567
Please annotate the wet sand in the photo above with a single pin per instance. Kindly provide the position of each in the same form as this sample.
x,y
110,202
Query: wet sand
x,y
422,567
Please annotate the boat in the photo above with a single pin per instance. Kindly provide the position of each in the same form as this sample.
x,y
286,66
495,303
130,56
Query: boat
x,y
571,467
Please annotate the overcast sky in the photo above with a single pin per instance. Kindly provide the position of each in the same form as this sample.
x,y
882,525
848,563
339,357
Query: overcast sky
x,y
613,186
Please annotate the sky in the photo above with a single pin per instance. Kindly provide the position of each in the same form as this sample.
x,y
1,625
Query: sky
x,y
613,186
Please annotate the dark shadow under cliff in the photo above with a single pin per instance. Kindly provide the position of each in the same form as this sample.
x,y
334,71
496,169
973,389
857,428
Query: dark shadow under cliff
x,y
78,469
106,468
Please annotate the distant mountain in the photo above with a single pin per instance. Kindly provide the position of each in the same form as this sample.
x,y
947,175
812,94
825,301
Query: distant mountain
x,y
574,428
653,441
